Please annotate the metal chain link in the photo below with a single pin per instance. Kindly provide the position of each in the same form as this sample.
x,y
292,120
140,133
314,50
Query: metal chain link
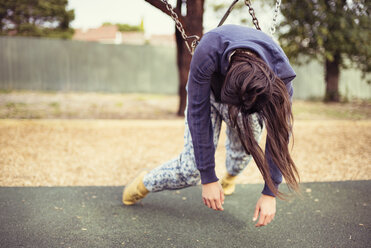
x,y
274,24
252,13
195,39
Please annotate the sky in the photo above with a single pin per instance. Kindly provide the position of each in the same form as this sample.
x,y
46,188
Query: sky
x,y
92,13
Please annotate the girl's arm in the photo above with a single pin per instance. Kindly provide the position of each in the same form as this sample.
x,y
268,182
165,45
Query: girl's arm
x,y
276,175
266,205
203,65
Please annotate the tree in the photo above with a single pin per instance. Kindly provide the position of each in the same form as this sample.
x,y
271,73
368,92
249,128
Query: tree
x,y
127,27
192,23
334,32
46,18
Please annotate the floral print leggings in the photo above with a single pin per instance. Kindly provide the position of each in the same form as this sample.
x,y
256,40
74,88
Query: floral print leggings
x,y
182,172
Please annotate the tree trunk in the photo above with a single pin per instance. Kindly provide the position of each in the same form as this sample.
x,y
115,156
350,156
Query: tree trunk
x,y
192,23
332,75
193,26
183,62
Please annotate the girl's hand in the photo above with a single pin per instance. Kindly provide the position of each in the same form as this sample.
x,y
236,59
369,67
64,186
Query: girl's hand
x,y
213,195
266,205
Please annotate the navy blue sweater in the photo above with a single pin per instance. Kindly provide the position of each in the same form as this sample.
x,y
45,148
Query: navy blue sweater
x,y
212,57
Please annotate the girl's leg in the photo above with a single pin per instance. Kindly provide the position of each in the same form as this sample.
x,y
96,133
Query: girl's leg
x,y
182,171
236,157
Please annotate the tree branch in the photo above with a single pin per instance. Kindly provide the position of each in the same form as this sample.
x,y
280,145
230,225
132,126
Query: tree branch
x,y
161,6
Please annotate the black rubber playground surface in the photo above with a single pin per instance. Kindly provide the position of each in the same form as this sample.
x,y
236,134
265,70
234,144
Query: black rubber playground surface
x,y
333,214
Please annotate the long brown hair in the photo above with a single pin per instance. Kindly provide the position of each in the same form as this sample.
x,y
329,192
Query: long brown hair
x,y
250,86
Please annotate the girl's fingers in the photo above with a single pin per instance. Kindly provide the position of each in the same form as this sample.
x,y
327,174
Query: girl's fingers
x,y
261,220
256,213
218,204
222,196
271,217
207,203
267,220
210,203
213,205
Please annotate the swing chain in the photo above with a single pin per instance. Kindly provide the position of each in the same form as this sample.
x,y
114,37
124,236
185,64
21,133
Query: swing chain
x,y
195,39
252,13
273,28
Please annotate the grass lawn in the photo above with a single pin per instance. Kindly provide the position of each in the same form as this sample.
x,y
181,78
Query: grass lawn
x,y
59,105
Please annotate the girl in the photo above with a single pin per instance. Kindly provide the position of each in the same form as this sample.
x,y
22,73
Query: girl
x,y
241,76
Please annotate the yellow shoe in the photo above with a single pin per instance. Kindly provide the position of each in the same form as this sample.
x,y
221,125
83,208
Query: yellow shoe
x,y
228,184
135,190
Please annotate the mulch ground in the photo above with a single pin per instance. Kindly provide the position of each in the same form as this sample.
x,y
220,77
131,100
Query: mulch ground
x,y
111,152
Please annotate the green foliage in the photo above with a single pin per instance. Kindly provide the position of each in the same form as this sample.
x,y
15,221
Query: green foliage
x,y
324,29
127,27
40,18
239,11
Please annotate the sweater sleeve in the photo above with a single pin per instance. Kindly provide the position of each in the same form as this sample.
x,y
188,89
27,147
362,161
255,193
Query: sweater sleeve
x,y
276,174
203,65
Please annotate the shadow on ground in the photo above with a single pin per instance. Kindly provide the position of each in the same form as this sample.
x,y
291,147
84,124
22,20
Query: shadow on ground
x,y
333,214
